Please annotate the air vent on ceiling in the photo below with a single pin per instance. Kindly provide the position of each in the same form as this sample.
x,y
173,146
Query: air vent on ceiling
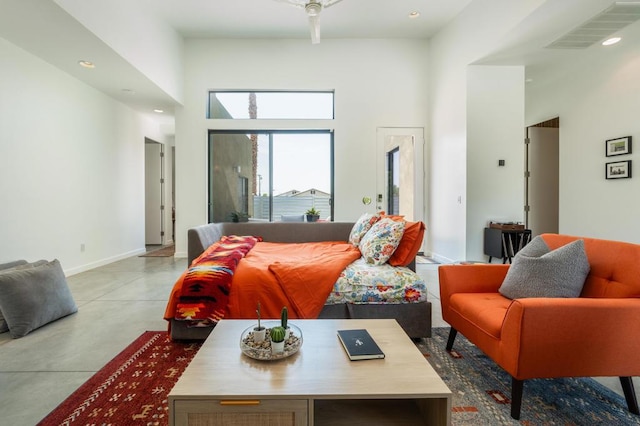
x,y
600,27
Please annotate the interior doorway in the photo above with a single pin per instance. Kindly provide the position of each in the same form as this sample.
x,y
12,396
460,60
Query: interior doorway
x,y
542,177
400,172
154,192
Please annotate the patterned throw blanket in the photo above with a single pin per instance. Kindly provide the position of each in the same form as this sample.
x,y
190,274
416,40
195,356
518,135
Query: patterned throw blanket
x,y
206,285
232,275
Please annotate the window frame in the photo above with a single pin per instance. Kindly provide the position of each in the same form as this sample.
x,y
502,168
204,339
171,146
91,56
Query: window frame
x,y
240,91
270,132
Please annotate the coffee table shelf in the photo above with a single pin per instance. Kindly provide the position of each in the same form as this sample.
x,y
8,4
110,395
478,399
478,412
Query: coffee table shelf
x,y
365,412
243,413
318,386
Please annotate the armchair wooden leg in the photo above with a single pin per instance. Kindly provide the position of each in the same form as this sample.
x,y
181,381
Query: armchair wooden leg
x,y
516,397
630,394
452,336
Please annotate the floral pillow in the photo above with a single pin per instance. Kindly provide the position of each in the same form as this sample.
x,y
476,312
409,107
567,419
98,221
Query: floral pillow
x,y
362,225
379,243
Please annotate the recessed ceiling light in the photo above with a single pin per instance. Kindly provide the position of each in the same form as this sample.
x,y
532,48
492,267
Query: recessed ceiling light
x,y
159,111
86,64
610,41
414,14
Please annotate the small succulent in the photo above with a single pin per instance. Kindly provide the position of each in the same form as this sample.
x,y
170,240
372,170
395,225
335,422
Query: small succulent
x,y
277,334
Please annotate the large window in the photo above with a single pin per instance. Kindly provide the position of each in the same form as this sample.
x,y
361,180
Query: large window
x,y
264,174
282,173
271,105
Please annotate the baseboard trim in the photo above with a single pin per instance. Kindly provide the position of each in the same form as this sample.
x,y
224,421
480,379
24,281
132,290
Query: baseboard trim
x,y
102,262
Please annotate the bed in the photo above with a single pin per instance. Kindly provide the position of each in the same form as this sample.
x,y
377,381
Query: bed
x,y
357,290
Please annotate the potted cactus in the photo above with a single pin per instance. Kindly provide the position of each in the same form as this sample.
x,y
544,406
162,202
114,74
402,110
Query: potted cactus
x,y
279,334
277,339
284,318
259,331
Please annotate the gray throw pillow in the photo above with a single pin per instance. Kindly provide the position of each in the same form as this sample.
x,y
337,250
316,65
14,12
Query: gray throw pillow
x,y
34,296
8,267
13,264
538,272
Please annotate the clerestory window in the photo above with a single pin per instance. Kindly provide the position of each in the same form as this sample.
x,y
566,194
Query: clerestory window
x,y
271,105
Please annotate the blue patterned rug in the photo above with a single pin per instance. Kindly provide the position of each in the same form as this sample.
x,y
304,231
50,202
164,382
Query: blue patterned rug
x,y
482,391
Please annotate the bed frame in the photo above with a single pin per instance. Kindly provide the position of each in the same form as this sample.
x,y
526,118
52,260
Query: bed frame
x,y
415,318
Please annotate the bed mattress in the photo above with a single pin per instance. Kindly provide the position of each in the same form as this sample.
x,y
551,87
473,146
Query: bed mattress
x,y
361,282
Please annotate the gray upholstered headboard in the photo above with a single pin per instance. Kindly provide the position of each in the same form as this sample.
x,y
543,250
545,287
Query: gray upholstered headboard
x,y
201,237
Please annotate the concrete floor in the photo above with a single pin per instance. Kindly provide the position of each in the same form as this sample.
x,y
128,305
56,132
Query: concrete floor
x,y
116,303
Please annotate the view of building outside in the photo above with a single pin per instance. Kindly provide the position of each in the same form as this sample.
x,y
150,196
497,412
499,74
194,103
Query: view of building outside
x,y
290,172
300,174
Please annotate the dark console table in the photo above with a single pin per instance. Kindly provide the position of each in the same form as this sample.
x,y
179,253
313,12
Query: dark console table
x,y
504,243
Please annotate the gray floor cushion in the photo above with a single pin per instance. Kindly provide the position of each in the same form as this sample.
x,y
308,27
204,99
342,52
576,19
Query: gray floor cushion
x,y
13,264
7,267
34,295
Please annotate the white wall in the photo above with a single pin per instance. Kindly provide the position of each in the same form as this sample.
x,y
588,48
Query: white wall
x,y
495,130
470,37
168,189
596,99
377,83
132,30
71,167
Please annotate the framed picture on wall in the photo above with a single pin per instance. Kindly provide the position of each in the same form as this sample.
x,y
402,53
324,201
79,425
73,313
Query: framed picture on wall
x,y
618,146
618,170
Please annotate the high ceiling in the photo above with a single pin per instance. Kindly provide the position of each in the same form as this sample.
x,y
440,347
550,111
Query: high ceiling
x,y
47,29
277,19
63,31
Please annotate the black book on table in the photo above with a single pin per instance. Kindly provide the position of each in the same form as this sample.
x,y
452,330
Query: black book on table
x,y
359,344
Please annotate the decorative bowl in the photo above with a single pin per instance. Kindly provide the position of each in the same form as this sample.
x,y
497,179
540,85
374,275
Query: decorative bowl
x,y
262,350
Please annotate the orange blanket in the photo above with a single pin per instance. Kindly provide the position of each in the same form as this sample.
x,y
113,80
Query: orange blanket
x,y
299,276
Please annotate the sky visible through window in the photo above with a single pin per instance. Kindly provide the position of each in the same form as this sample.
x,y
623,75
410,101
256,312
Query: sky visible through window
x,y
279,105
301,161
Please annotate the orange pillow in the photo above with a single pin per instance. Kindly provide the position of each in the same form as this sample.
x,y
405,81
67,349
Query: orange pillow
x,y
409,245
397,218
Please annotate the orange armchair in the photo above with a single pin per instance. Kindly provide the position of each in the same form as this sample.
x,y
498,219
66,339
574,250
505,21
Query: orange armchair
x,y
596,334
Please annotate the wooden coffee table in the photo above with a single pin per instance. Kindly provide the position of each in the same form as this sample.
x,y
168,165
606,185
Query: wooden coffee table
x,y
318,386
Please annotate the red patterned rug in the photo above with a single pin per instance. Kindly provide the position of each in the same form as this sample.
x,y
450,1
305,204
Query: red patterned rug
x,y
132,388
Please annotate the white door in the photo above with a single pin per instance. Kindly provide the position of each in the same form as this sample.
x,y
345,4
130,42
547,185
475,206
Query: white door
x,y
400,171
153,193
543,180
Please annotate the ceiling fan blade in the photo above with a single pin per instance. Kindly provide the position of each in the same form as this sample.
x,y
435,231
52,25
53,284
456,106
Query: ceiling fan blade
x,y
314,27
